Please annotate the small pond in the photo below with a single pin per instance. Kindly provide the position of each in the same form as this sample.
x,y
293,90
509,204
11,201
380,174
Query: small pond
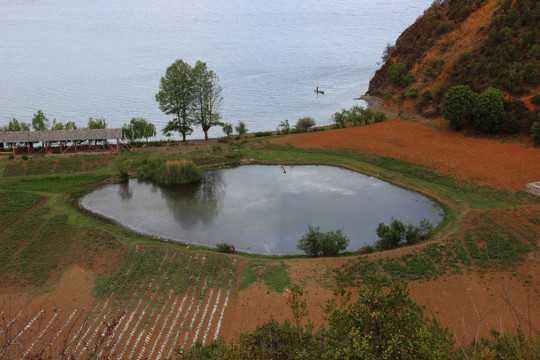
x,y
261,209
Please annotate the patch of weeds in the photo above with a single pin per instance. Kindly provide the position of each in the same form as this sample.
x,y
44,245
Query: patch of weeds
x,y
274,275
69,184
101,285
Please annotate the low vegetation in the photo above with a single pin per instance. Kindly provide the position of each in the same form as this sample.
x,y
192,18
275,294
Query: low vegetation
x,y
316,243
502,68
499,232
357,115
169,172
491,240
305,123
225,248
138,128
396,233
272,274
382,324
535,132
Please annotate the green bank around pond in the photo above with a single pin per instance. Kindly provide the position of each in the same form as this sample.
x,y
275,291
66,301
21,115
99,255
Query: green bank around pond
x,y
39,209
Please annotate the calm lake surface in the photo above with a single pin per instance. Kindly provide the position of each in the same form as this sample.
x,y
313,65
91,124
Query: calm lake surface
x,y
76,59
262,210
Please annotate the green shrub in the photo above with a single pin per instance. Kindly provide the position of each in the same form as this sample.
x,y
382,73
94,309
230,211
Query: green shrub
x,y
170,172
122,165
305,123
458,105
488,111
398,74
396,234
340,119
357,115
241,128
379,116
535,132
390,236
516,113
263,133
24,157
411,93
380,322
225,248
367,249
284,127
447,44
227,129
316,243
433,68
536,99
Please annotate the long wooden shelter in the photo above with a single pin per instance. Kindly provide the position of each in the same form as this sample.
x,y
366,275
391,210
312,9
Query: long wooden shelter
x,y
60,141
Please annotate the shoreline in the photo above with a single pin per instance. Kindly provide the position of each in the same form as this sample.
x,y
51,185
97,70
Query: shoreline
x,y
373,102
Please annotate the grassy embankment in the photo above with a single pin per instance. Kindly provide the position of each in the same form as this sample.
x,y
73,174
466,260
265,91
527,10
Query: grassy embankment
x,y
43,231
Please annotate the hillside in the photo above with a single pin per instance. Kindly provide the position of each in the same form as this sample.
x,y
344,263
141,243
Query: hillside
x,y
479,43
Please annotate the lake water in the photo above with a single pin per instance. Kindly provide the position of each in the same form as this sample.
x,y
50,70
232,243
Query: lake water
x,y
76,59
262,210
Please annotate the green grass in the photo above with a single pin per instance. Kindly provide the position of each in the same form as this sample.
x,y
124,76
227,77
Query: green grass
x,y
485,245
34,240
55,165
70,184
473,249
395,171
273,275
14,204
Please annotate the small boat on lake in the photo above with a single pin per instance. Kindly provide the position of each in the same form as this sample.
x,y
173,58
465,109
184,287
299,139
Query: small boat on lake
x,y
319,91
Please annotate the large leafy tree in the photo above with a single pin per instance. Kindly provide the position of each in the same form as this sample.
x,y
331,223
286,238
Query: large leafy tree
x,y
138,128
207,99
175,97
384,324
193,95
458,105
40,121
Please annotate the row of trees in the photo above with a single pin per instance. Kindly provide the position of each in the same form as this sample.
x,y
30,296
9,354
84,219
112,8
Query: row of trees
x,y
463,107
137,129
357,115
40,122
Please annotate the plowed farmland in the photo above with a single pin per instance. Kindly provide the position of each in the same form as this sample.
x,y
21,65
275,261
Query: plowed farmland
x,y
159,300
483,161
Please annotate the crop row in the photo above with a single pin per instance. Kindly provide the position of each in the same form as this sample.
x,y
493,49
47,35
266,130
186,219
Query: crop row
x,y
161,300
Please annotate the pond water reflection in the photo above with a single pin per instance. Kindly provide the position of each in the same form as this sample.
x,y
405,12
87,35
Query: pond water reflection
x,y
261,209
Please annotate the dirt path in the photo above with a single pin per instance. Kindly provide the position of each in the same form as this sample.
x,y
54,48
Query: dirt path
x,y
483,161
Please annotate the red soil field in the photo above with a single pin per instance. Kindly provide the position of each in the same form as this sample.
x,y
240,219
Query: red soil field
x,y
483,161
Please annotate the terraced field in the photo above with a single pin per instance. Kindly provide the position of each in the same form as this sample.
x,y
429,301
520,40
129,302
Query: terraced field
x,y
159,301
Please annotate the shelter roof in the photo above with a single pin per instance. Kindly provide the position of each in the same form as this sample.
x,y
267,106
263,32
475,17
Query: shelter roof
x,y
59,135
